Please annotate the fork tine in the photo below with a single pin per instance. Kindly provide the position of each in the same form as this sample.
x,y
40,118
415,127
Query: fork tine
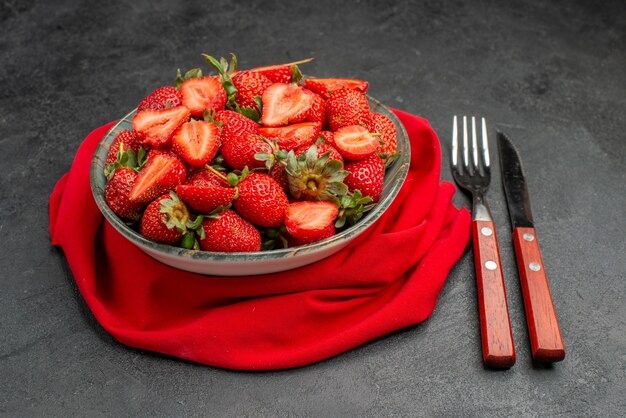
x,y
485,144
465,147
474,144
455,142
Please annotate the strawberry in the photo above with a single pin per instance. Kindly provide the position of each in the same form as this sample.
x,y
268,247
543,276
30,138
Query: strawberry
x,y
325,86
282,73
284,104
293,136
307,222
347,107
229,233
165,219
234,124
277,172
249,85
239,151
196,142
382,125
261,200
317,111
321,150
161,98
203,176
154,128
366,175
163,172
355,142
329,137
200,94
128,140
117,191
207,197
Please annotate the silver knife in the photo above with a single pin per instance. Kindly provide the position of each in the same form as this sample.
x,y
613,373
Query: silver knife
x,y
543,328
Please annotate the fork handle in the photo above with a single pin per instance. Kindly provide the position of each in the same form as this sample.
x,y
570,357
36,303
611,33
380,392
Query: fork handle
x,y
495,325
546,342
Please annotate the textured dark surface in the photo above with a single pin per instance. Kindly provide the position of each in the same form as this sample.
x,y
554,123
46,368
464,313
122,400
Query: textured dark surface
x,y
551,75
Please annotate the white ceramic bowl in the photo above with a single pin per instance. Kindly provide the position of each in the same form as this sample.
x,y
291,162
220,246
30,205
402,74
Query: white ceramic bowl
x,y
238,264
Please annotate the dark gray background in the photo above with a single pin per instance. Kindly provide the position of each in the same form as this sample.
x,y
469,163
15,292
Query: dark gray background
x,y
551,74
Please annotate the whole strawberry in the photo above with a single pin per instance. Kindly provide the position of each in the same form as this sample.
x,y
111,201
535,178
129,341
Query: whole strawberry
x,y
117,191
161,98
322,149
325,86
128,140
165,219
239,151
229,233
366,175
249,85
329,137
163,172
282,73
382,125
317,111
347,107
234,125
205,191
261,200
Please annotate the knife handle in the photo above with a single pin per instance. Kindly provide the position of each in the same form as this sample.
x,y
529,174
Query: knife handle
x,y
495,325
543,328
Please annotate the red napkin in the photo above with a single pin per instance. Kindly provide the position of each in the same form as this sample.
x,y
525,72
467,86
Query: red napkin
x,y
388,279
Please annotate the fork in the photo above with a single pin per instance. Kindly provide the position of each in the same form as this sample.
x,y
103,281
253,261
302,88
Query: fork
x,y
474,175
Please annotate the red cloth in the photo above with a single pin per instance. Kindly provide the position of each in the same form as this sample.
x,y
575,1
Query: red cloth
x,y
388,279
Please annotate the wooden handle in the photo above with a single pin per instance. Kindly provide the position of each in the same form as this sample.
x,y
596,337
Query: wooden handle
x,y
543,328
495,325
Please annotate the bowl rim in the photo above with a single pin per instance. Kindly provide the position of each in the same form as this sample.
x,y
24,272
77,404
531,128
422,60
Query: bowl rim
x,y
97,167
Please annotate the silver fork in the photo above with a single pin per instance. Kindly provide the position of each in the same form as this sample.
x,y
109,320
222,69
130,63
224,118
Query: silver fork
x,y
473,174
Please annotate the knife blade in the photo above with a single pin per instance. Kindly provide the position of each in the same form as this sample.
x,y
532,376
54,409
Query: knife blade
x,y
543,327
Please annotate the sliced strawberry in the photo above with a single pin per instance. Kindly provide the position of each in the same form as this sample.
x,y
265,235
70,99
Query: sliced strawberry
x,y
355,142
325,86
154,128
161,98
281,73
163,172
230,233
205,198
200,94
117,191
128,140
196,142
284,104
239,151
308,222
293,136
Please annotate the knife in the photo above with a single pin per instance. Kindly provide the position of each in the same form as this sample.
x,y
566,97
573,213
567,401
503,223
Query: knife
x,y
543,328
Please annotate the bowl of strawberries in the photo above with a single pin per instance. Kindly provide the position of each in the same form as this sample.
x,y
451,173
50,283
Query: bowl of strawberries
x,y
249,172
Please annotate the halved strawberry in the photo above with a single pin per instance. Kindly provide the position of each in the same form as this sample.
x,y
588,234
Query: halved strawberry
x,y
307,222
196,142
117,191
128,140
154,128
325,86
281,73
161,98
206,198
293,136
367,175
200,94
347,107
261,200
239,151
249,85
163,172
387,129
355,142
165,219
229,233
284,104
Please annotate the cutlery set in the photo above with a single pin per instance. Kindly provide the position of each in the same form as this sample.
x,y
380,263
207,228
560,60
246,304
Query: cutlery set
x,y
471,169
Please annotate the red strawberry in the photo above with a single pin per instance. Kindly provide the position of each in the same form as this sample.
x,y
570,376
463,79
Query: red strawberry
x,y
329,137
239,151
128,139
293,136
366,175
261,200
281,73
382,125
317,111
230,233
117,191
200,94
207,197
165,220
307,222
284,104
163,172
161,98
196,142
154,128
234,124
347,107
249,85
321,150
278,173
325,86
355,142
203,176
